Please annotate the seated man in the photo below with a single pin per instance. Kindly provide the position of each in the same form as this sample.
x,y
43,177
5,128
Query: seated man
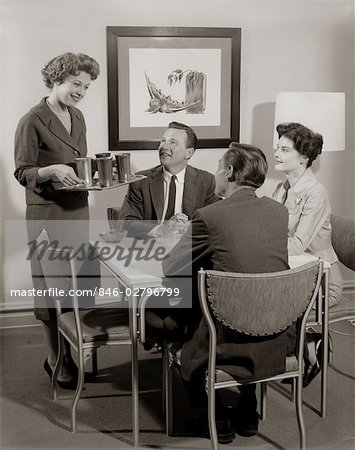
x,y
172,191
242,233
163,203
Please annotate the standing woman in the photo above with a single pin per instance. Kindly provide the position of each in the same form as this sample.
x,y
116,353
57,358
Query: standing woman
x,y
47,141
306,199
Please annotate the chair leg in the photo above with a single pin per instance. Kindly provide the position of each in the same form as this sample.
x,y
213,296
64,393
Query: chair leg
x,y
168,391
294,389
94,362
263,394
325,346
164,378
58,365
135,393
212,416
78,391
299,411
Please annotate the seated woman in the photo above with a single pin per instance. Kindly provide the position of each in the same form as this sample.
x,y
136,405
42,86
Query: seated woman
x,y
306,199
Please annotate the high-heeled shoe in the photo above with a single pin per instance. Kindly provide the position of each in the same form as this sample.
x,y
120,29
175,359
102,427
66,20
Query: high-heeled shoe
x,y
313,360
71,385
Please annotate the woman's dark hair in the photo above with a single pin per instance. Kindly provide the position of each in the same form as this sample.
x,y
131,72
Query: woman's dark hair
x,y
60,67
306,142
191,139
249,164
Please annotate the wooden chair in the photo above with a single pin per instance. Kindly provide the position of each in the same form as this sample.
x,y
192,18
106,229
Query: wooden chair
x,y
85,329
257,305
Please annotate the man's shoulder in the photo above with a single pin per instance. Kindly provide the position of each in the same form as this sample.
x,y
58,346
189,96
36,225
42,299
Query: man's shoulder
x,y
239,202
194,171
190,171
273,205
143,185
151,172
215,209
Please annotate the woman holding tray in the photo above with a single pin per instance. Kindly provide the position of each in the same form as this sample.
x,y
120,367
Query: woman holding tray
x,y
47,141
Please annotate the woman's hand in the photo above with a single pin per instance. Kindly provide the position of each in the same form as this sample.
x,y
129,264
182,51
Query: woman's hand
x,y
65,174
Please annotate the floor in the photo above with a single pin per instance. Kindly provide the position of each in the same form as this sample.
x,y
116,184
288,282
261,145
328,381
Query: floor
x,y
30,419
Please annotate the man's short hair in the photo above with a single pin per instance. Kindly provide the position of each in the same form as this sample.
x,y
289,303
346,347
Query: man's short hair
x,y
191,139
249,164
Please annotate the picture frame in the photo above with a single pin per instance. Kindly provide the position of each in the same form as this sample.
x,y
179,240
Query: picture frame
x,y
157,75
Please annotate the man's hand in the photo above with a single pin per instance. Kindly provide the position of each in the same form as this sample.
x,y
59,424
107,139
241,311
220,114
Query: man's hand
x,y
180,217
175,227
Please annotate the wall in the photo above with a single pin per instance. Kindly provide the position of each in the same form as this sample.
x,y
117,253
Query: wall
x,y
286,45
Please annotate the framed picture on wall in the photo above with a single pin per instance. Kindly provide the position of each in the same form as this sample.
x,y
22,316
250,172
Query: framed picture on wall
x,y
159,75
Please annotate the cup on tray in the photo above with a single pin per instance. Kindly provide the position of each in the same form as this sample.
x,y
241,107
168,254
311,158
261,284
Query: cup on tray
x,y
83,166
104,168
123,167
103,155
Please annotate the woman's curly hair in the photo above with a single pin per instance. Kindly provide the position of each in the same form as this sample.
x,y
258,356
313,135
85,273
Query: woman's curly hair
x,y
60,67
306,142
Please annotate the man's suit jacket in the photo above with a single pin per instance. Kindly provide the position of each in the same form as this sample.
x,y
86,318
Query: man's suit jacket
x,y
242,233
145,198
41,140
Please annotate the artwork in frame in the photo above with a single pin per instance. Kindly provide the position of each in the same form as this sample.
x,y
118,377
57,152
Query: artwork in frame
x,y
159,75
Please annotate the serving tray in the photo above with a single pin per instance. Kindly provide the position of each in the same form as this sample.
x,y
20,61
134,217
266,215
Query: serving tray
x,y
96,186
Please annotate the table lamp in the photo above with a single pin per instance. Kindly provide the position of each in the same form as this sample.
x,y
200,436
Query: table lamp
x,y
322,112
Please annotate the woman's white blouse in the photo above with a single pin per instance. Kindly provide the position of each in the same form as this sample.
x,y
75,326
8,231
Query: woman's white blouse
x,y
309,216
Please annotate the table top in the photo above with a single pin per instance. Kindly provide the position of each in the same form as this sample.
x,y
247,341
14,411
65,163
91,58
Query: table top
x,y
304,258
138,262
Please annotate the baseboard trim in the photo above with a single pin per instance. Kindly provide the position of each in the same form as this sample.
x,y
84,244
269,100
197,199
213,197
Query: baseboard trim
x,y
11,327
15,306
22,313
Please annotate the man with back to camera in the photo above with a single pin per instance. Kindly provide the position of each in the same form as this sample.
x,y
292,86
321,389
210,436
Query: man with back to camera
x,y
243,233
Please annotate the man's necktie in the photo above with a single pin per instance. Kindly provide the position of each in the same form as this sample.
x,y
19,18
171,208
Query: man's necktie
x,y
171,199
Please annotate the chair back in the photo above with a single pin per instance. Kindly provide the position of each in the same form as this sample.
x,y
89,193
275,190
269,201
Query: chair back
x,y
343,239
259,304
59,270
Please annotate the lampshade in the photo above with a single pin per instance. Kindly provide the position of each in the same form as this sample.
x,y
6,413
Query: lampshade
x,y
322,112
